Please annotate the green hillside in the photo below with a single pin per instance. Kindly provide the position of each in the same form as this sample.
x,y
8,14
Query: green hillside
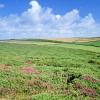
x,y
59,71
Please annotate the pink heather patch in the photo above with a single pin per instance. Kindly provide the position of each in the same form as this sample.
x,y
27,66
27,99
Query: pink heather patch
x,y
91,79
88,91
30,70
78,86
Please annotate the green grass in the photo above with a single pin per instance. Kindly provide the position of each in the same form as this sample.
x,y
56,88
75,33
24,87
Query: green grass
x,y
80,46
61,67
94,43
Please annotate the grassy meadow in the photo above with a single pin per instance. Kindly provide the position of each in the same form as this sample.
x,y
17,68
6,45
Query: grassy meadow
x,y
49,70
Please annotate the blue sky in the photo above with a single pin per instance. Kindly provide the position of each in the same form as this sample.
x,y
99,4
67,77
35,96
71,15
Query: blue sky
x,y
80,14
59,6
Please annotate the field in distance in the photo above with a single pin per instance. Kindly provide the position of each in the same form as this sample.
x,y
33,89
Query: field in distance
x,y
77,39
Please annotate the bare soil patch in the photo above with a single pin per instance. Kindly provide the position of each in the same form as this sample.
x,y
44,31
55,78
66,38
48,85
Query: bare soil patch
x,y
37,82
5,68
29,62
4,91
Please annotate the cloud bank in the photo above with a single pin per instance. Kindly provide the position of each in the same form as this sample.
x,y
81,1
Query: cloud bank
x,y
41,22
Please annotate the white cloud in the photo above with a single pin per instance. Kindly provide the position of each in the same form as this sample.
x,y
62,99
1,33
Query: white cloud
x,y
39,22
2,5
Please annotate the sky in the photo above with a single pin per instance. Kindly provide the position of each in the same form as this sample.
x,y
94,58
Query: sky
x,y
49,18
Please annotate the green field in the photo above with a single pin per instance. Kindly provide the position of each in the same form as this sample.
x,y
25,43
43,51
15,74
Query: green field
x,y
95,43
49,70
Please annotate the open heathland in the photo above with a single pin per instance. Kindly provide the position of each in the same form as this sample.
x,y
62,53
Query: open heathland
x,y
49,70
